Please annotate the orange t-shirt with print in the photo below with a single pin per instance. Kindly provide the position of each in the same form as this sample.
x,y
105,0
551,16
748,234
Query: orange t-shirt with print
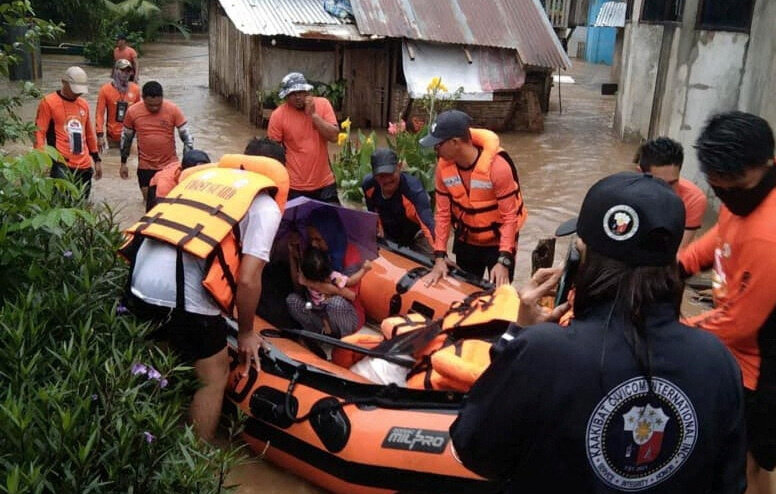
x,y
740,252
108,100
694,203
307,151
65,125
128,53
155,133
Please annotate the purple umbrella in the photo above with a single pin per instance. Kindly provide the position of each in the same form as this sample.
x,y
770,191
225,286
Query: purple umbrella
x,y
360,227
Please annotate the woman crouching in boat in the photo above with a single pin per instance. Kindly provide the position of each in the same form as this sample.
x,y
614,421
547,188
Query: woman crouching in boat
x,y
331,303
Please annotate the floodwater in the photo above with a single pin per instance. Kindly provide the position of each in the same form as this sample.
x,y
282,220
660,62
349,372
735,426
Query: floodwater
x,y
556,167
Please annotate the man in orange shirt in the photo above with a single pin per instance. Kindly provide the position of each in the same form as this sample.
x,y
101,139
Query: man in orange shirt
x,y
305,124
663,158
168,177
735,151
124,51
154,122
478,195
63,122
115,98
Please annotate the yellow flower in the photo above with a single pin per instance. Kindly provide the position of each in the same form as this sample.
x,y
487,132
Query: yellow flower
x,y
369,141
436,85
342,137
346,124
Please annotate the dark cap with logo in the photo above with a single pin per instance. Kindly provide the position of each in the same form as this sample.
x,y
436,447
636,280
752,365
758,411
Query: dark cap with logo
x,y
448,124
384,160
631,217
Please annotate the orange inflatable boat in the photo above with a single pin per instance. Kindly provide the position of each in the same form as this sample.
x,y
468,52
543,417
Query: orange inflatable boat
x,y
343,432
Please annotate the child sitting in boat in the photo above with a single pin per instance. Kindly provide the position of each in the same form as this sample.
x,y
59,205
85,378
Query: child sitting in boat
x,y
328,306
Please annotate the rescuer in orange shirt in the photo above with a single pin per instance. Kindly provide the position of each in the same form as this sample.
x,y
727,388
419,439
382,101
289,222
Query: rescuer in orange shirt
x,y
63,122
154,122
115,98
126,52
735,152
663,158
477,195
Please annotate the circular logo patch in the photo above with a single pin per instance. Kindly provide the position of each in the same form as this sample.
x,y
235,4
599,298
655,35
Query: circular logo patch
x,y
621,222
635,440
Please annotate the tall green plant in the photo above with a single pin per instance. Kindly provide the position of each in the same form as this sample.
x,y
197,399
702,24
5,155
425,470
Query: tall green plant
x,y
14,14
353,163
87,404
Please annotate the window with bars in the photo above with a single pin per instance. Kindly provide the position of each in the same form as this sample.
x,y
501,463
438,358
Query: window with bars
x,y
725,15
662,10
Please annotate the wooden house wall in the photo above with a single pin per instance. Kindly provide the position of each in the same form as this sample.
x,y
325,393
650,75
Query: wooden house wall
x,y
235,63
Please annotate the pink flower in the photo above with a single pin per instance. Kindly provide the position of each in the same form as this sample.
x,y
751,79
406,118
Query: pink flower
x,y
163,383
392,128
401,126
149,438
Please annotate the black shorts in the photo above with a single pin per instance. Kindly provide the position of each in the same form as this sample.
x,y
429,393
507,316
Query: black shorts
x,y
324,194
193,336
144,176
761,426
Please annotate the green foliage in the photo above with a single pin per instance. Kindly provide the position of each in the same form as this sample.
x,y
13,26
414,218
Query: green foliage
x,y
12,126
100,50
19,13
78,16
354,162
334,92
419,161
78,413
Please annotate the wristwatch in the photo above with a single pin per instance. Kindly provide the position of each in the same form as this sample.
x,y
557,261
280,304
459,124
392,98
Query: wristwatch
x,y
505,260
440,254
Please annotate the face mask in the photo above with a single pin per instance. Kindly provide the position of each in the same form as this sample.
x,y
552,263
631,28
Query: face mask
x,y
742,202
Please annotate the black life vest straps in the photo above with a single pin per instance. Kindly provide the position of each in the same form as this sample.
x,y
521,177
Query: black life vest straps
x,y
191,232
219,252
211,210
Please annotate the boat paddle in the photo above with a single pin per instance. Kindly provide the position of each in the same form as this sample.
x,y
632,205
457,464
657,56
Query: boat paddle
x,y
400,350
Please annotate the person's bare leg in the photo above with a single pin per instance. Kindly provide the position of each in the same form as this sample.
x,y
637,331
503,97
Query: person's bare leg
x,y
213,373
758,480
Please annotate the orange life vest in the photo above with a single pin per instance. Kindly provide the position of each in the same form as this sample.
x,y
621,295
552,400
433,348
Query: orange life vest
x,y
201,214
460,353
474,213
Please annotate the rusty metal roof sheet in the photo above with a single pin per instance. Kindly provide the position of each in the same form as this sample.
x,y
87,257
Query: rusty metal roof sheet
x,y
521,25
612,14
296,18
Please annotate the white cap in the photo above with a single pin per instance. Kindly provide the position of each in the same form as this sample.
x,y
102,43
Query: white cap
x,y
77,79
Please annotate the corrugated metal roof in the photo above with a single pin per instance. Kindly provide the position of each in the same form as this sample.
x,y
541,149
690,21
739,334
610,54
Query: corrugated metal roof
x,y
296,18
612,14
518,24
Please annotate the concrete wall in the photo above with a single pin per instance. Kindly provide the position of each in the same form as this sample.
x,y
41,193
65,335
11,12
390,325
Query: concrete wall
x,y
698,84
758,93
675,76
638,79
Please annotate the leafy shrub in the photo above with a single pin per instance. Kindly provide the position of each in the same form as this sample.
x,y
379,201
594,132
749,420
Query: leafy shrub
x,y
14,14
354,162
87,405
99,51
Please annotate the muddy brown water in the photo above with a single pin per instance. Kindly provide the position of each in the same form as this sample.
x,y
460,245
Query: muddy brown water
x,y
556,167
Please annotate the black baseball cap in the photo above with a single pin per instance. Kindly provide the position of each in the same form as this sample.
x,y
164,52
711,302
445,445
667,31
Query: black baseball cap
x,y
384,160
448,124
194,157
632,217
